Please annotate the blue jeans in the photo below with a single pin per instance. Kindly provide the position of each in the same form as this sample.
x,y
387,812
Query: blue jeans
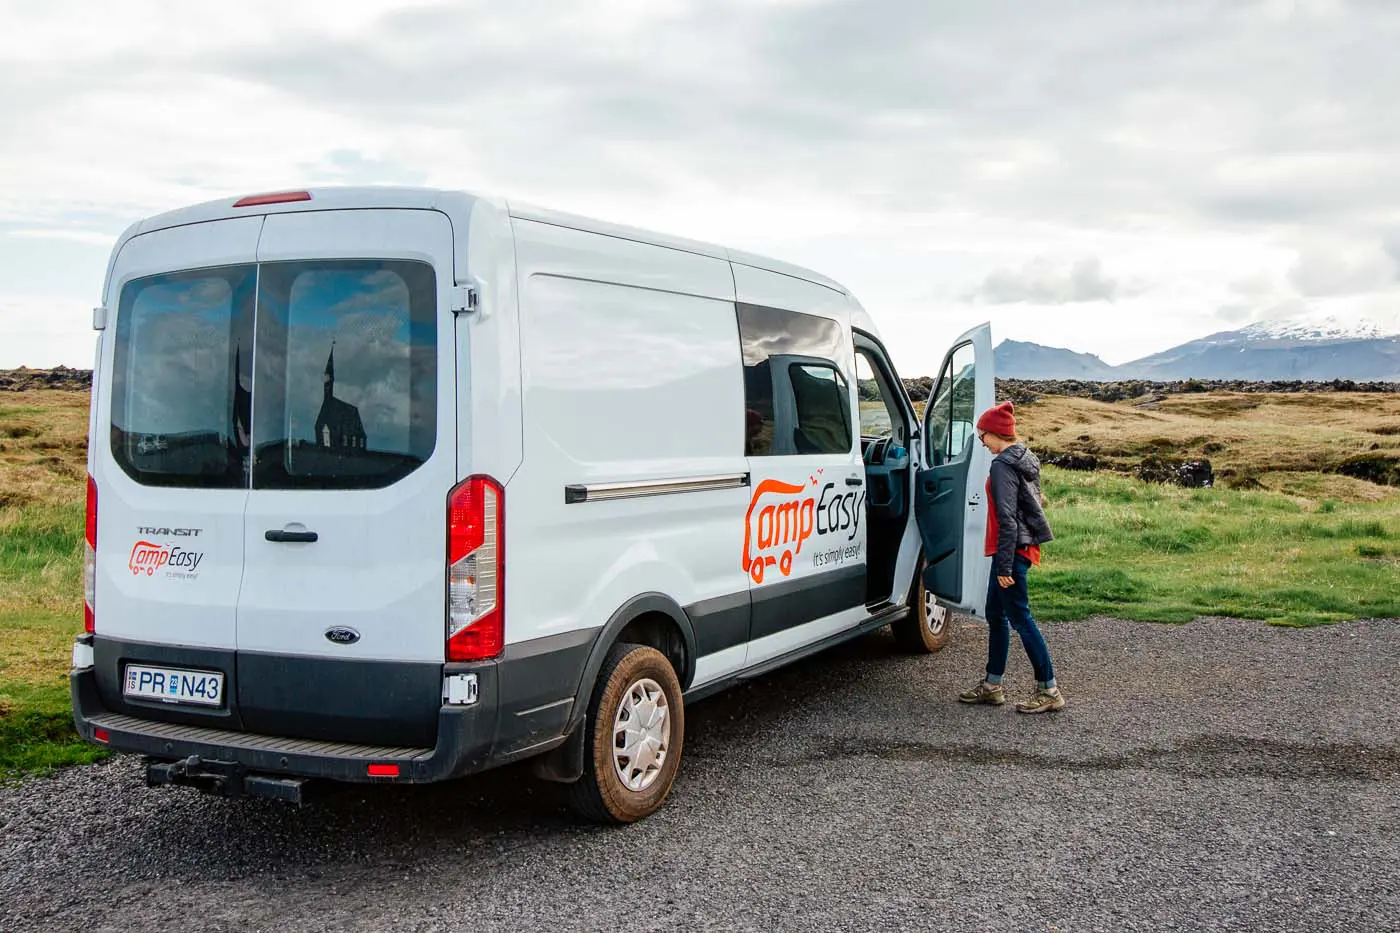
x,y
1011,608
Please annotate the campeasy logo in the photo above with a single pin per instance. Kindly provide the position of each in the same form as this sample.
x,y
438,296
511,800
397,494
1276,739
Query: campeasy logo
x,y
147,557
783,516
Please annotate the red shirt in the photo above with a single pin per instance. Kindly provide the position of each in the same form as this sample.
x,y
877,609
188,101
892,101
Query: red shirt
x,y
1030,552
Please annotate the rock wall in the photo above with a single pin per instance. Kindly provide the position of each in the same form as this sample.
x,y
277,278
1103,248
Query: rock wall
x,y
1025,391
60,377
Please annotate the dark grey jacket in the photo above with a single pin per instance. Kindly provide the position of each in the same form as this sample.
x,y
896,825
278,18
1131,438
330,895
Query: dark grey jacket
x,y
1016,496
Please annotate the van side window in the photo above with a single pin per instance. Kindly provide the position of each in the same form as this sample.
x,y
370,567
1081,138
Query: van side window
x,y
952,409
346,390
796,400
181,377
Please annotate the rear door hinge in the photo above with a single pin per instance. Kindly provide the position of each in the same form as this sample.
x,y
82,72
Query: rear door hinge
x,y
464,299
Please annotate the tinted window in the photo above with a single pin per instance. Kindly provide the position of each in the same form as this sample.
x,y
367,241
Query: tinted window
x,y
952,408
823,406
346,390
180,381
773,342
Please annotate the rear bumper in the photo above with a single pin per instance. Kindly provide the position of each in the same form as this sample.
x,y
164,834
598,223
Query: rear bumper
x,y
465,740
333,719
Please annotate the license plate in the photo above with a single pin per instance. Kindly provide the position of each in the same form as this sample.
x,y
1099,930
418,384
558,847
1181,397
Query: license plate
x,y
174,685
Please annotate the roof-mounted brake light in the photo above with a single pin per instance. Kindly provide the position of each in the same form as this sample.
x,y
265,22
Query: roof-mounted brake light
x,y
277,197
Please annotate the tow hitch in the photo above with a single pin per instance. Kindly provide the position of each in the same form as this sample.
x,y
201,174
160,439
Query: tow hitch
x,y
225,778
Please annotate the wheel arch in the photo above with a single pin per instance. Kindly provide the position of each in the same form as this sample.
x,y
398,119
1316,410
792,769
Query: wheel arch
x,y
652,619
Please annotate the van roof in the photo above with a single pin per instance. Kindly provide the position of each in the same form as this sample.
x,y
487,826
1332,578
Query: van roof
x,y
623,231
385,196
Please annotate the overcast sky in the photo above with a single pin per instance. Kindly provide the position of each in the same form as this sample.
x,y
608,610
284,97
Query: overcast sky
x,y
1112,177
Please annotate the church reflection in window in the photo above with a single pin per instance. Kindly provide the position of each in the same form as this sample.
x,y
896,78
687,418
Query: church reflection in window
x,y
338,424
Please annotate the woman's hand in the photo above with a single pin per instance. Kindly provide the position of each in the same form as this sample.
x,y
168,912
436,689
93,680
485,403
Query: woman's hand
x,y
1006,582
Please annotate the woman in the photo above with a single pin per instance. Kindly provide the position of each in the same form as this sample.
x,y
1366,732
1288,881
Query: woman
x,y
1016,528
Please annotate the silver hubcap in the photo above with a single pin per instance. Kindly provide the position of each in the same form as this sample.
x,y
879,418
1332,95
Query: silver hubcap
x,y
935,614
641,734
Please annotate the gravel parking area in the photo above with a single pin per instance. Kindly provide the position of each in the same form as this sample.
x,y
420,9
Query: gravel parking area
x,y
1220,775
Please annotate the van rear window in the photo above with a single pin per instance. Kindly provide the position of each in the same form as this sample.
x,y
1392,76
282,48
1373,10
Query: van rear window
x,y
338,390
183,358
346,388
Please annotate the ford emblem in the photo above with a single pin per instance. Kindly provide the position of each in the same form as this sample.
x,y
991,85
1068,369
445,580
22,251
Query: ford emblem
x,y
342,635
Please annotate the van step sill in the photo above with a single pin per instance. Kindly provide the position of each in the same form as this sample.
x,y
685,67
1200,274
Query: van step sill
x,y
116,722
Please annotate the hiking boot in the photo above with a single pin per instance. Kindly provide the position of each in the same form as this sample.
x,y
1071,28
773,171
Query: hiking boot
x,y
1044,701
984,693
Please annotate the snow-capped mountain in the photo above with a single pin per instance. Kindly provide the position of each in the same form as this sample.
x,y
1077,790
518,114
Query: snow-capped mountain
x,y
1325,327
1300,348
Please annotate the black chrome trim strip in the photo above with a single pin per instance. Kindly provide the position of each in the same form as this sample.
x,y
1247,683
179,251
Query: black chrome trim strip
x,y
600,492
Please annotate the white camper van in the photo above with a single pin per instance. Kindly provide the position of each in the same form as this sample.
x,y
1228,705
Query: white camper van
x,y
396,485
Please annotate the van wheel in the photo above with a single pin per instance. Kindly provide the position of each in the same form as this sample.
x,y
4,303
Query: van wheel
x,y
634,733
928,628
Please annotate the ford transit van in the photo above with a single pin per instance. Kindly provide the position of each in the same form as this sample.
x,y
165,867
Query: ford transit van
x,y
398,485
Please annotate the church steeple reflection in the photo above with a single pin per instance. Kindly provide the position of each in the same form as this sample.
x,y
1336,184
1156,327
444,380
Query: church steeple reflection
x,y
338,426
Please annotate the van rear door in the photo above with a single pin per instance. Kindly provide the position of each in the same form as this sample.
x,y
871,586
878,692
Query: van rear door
x,y
170,444
354,453
950,500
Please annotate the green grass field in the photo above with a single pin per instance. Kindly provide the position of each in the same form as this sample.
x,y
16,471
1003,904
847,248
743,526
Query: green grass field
x,y
1157,553
1307,547
42,450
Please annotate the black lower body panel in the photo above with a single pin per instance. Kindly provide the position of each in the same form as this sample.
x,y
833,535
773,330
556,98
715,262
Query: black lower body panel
x,y
538,681
791,603
368,702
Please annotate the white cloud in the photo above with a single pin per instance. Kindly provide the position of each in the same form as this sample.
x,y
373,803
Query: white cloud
x,y
1322,271
1047,282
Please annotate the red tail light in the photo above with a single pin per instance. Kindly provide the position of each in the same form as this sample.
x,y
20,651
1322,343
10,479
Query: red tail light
x,y
383,770
90,559
476,517
101,735
278,197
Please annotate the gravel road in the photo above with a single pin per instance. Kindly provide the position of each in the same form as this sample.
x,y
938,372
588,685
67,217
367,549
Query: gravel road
x,y
1220,775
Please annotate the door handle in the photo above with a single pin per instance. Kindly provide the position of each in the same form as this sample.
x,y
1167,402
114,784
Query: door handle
x,y
854,481
282,536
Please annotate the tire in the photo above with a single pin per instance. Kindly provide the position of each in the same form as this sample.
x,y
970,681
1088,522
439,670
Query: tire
x,y
928,628
631,675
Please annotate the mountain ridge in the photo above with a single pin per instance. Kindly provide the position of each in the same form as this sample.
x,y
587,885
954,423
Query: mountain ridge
x,y
1033,361
1308,350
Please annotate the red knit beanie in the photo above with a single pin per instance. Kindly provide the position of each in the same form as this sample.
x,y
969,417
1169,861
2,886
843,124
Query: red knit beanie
x,y
999,420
